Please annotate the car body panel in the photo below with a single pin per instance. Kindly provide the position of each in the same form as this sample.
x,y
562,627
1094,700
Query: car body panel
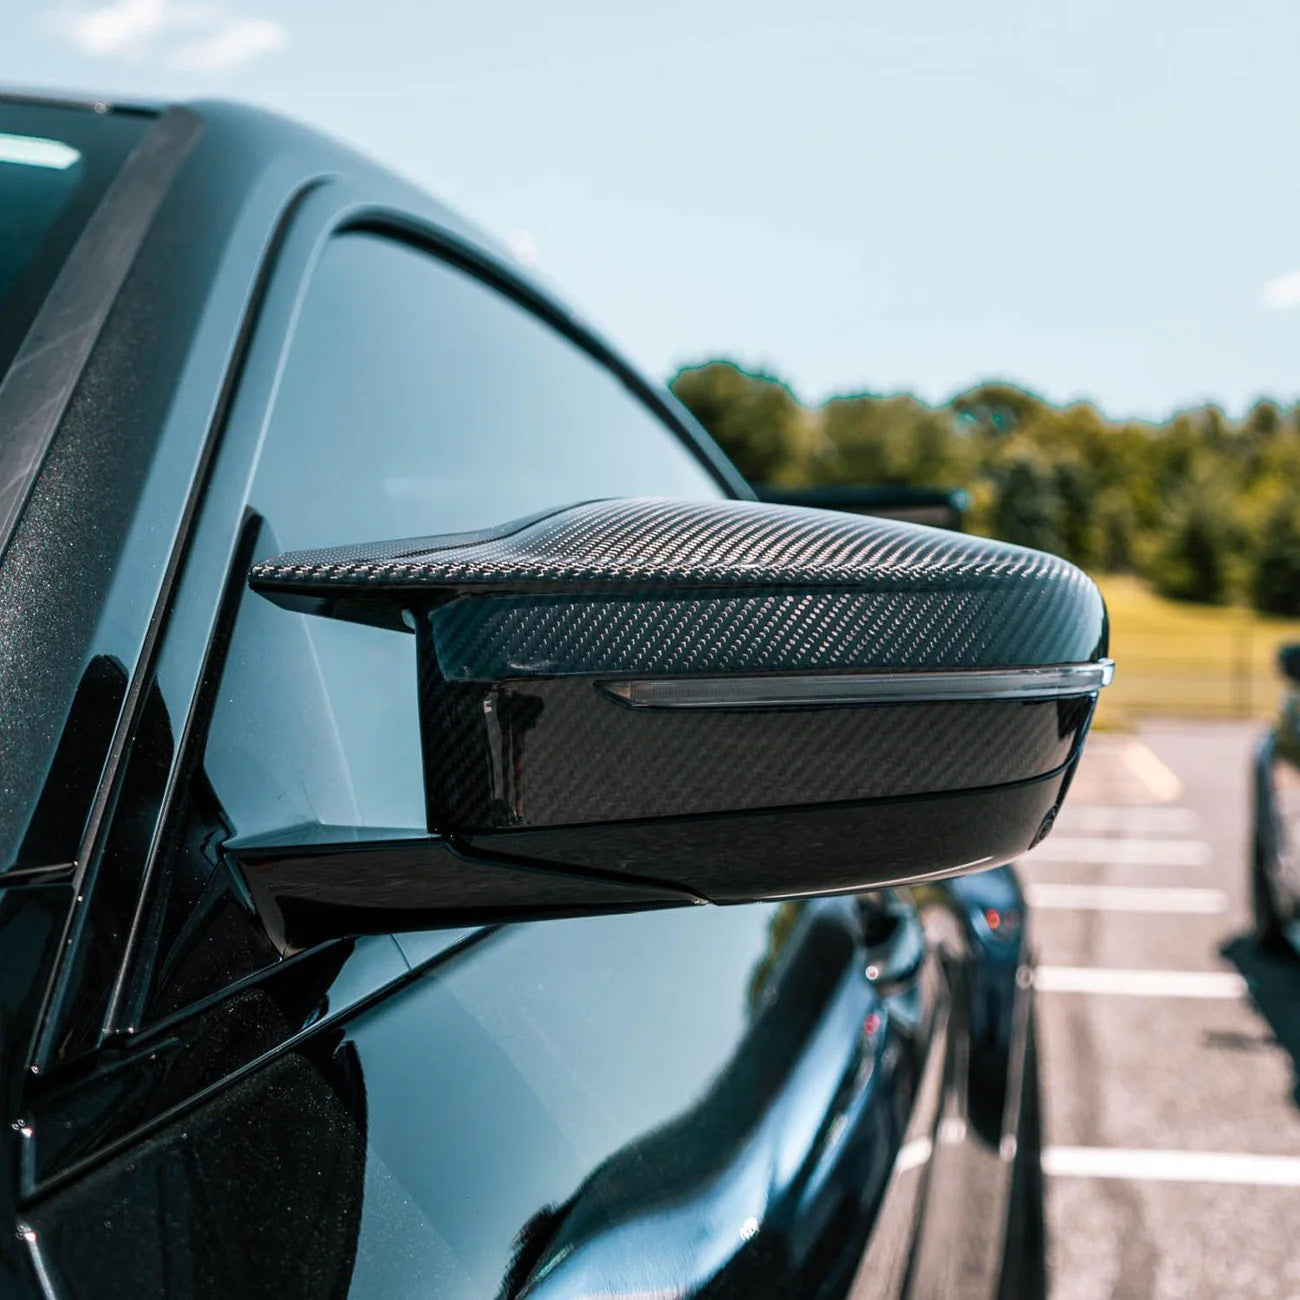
x,y
538,1103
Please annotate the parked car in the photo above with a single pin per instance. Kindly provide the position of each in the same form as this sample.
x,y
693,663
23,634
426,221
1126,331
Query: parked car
x,y
553,903
1275,868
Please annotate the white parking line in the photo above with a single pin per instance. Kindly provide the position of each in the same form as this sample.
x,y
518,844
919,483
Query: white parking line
x,y
1162,785
1172,1166
1126,819
1127,898
1089,849
1139,983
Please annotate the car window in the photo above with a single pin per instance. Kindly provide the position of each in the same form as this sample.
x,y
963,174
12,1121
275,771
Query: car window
x,y
417,400
55,164
38,176
414,399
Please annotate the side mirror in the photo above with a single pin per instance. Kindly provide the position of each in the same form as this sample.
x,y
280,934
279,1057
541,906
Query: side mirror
x,y
642,703
1288,662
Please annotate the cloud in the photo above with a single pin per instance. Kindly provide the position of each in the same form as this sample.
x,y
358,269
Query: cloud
x,y
235,42
130,27
1283,293
192,37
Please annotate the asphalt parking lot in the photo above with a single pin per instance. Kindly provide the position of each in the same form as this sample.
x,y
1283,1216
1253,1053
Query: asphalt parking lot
x,y
1170,1047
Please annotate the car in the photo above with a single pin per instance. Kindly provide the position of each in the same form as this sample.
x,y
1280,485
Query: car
x,y
1275,808
458,841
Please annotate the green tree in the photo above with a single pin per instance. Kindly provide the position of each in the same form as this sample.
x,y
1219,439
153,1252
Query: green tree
x,y
996,408
894,440
1117,531
755,418
1027,505
1176,501
1275,578
1076,493
1263,420
1192,556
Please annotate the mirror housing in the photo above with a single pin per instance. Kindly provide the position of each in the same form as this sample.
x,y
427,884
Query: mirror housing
x,y
639,703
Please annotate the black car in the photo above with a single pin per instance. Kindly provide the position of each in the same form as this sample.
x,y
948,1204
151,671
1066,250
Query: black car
x,y
457,841
1275,866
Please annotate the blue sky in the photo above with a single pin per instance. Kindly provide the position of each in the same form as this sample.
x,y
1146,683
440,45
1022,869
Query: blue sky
x,y
1095,199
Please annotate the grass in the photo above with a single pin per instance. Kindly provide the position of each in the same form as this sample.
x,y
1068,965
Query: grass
x,y
1194,661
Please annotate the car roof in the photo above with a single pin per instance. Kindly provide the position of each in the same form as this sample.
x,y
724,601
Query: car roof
x,y
262,136
266,135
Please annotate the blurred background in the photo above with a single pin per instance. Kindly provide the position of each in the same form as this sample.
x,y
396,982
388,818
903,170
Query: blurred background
x,y
1039,260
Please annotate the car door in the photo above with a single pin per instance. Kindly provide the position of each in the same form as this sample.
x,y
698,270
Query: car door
x,y
705,1101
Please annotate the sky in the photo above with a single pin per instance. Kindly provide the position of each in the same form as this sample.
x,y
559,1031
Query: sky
x,y
1095,199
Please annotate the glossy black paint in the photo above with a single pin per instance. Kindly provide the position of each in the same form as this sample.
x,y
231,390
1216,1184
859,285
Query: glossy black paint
x,y
570,1158
463,1112
325,882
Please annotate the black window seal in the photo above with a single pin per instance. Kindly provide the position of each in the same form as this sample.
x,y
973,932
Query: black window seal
x,y
88,103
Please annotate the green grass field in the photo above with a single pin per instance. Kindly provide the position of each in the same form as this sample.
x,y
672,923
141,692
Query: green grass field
x,y
1191,661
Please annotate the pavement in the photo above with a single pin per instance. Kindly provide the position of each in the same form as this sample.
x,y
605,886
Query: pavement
x,y
1170,1047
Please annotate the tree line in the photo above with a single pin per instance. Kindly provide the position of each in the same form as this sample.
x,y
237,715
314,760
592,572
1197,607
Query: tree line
x,y
1204,507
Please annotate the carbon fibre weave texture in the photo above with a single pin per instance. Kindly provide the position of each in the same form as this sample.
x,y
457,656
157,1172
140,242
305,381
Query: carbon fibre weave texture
x,y
689,543
729,585
491,637
557,753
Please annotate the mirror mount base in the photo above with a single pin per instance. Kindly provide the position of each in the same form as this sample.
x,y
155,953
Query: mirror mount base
x,y
315,883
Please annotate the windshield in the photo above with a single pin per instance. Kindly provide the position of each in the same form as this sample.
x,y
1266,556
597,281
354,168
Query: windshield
x,y
55,164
